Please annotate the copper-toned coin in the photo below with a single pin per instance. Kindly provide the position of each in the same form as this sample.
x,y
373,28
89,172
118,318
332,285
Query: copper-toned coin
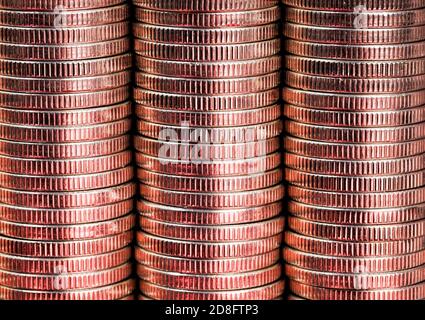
x,y
209,19
65,249
71,51
62,200
208,184
258,119
361,280
53,266
61,17
208,216
353,264
349,19
351,102
216,282
352,51
416,292
206,266
220,233
111,292
68,182
355,69
60,118
184,131
216,168
207,53
60,102
205,152
77,166
210,70
208,86
267,292
61,151
204,36
353,249
205,5
356,135
356,86
392,199
357,216
68,216
349,5
216,200
65,69
380,118
334,183
65,281
64,134
359,168
48,5
193,103
65,85
68,232
351,151
52,36
358,233
353,35
207,250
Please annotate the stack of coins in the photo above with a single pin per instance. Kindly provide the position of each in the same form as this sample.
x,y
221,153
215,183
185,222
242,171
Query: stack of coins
x,y
65,167
355,122
208,149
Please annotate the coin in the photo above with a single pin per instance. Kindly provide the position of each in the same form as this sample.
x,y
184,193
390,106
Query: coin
x,y
64,249
240,232
208,19
52,36
353,264
65,281
208,86
208,216
110,292
267,292
206,266
209,70
213,120
61,17
79,51
358,280
207,250
64,101
354,51
67,216
70,232
348,19
360,168
360,233
356,216
216,200
65,69
415,292
349,5
206,53
48,5
206,5
205,283
353,249
181,102
72,265
380,118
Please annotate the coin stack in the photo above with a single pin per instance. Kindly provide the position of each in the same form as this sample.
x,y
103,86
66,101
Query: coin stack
x,y
207,102
65,167
355,122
